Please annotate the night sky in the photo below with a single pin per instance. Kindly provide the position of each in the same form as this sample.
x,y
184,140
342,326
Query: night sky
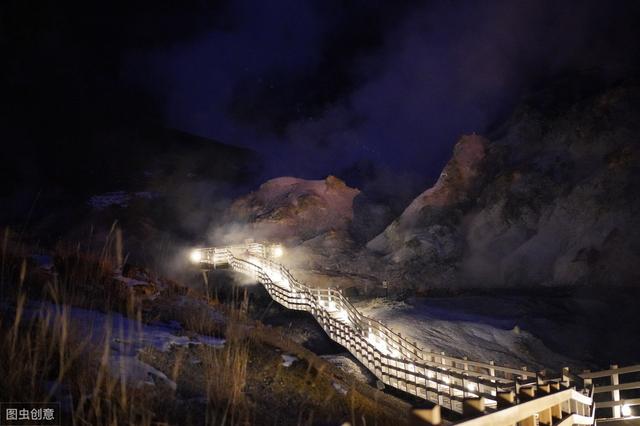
x,y
361,89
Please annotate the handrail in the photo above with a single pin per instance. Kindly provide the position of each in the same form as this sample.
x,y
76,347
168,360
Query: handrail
x,y
615,404
610,372
525,410
392,358
406,343
450,382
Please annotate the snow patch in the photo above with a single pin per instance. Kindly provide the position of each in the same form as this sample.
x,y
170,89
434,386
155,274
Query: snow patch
x,y
445,325
131,282
126,338
209,341
130,369
288,360
340,388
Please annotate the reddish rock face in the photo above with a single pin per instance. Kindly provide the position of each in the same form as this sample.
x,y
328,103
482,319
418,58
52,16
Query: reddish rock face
x,y
290,207
545,204
455,181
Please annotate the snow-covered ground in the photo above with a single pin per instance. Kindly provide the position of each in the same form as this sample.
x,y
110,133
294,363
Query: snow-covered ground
x,y
125,338
481,328
288,360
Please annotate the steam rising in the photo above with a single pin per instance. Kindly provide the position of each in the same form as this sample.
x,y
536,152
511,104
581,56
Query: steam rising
x,y
434,73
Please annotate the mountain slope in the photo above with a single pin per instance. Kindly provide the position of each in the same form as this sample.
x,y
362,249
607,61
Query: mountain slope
x,y
552,201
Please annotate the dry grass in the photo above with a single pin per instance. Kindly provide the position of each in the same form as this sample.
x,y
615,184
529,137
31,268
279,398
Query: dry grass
x,y
45,358
225,380
361,405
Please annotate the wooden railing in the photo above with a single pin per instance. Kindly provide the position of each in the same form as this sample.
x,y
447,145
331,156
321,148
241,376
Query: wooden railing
x,y
392,358
610,387
555,403
544,404
484,393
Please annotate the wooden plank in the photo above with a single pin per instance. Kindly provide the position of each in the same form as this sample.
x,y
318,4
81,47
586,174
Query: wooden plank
x,y
576,419
287,293
621,386
517,413
607,373
611,404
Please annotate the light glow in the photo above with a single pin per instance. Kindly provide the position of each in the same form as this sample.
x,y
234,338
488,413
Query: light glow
x,y
626,410
274,273
382,346
342,315
196,256
278,251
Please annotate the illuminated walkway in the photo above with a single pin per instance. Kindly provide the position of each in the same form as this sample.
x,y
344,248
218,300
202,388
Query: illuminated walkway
x,y
460,385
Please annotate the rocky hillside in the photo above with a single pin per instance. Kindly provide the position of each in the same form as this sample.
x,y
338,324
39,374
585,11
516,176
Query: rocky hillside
x,y
291,208
551,200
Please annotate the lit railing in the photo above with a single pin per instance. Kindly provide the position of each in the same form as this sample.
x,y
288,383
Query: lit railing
x,y
614,383
493,395
394,360
544,404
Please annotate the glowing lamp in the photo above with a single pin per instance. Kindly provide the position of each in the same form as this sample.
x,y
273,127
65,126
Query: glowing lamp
x,y
196,256
278,251
626,410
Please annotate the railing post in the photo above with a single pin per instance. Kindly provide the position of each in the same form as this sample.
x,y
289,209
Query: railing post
x,y
527,394
573,406
615,394
566,380
205,278
556,410
545,415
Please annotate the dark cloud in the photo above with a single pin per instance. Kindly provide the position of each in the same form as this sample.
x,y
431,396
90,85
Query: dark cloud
x,y
272,65
316,86
402,93
450,70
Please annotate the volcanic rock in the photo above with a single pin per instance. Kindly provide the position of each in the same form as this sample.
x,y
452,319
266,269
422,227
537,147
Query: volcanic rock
x,y
551,201
288,207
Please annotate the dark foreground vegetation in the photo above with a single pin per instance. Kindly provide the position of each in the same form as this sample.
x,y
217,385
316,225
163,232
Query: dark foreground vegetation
x,y
48,354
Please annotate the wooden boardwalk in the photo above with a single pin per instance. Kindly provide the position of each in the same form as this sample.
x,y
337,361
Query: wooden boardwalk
x,y
485,393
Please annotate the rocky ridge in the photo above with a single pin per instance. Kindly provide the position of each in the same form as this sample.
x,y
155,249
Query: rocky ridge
x,y
549,199
551,202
